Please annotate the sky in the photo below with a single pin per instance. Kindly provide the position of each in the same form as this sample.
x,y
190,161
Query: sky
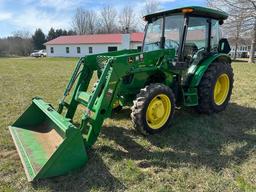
x,y
28,15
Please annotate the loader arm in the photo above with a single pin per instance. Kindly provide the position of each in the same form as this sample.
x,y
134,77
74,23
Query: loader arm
x,y
97,103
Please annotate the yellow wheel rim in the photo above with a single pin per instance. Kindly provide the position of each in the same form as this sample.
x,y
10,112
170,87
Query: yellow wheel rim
x,y
221,89
158,111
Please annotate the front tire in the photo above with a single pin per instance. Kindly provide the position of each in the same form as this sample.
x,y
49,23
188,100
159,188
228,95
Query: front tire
x,y
215,88
153,109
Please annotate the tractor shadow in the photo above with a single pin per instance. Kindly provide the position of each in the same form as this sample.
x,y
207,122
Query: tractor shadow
x,y
214,141
193,139
94,175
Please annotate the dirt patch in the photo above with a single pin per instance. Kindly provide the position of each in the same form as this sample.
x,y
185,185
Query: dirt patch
x,y
48,137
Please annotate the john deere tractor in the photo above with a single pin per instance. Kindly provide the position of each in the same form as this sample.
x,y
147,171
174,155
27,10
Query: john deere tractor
x,y
183,62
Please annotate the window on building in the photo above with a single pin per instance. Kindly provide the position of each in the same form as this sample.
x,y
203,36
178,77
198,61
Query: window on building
x,y
110,49
52,50
90,50
67,49
78,50
139,48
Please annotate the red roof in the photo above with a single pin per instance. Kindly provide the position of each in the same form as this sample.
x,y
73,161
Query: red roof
x,y
94,39
137,37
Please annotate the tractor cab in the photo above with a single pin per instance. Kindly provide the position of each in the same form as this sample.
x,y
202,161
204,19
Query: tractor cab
x,y
193,32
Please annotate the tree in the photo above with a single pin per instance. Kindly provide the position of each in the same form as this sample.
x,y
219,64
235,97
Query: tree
x,y
127,20
22,34
91,21
59,32
19,44
85,21
151,6
71,32
51,34
108,19
38,39
241,9
79,21
233,28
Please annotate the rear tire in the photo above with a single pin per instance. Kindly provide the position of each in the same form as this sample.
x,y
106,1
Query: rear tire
x,y
215,88
153,109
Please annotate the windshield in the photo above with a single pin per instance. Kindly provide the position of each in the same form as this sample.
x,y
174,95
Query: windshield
x,y
174,25
153,34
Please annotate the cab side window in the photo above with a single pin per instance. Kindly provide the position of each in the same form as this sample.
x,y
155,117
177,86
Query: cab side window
x,y
196,40
173,31
215,35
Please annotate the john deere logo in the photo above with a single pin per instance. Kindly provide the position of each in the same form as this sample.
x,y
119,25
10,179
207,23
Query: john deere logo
x,y
130,60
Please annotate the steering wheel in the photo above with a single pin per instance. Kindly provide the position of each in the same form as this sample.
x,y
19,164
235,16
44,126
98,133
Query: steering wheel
x,y
156,43
170,44
198,51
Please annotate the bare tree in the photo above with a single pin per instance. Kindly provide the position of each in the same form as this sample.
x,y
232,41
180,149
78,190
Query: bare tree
x,y
127,20
85,21
151,6
91,21
3,47
21,43
245,9
253,44
22,34
15,45
79,22
108,16
233,29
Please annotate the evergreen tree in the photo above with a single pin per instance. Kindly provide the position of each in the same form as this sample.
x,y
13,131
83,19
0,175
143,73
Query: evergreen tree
x,y
71,32
59,32
51,34
38,39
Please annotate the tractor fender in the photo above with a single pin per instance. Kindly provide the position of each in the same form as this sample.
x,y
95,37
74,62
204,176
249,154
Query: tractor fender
x,y
203,66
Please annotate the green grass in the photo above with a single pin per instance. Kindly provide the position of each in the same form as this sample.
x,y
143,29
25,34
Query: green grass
x,y
198,153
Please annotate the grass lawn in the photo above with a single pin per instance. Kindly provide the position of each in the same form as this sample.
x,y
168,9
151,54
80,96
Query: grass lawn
x,y
198,153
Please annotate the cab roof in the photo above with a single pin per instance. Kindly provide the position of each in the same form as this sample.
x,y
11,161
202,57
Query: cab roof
x,y
192,10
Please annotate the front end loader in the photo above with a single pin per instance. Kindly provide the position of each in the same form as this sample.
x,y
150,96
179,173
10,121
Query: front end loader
x,y
183,62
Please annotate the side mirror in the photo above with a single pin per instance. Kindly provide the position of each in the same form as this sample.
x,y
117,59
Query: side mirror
x,y
224,46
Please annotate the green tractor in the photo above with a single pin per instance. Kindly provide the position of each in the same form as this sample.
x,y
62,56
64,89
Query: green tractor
x,y
183,62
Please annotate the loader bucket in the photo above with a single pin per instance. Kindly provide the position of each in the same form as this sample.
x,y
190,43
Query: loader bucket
x,y
47,143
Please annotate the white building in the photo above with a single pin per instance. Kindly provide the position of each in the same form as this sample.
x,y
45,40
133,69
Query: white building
x,y
243,47
81,45
243,51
